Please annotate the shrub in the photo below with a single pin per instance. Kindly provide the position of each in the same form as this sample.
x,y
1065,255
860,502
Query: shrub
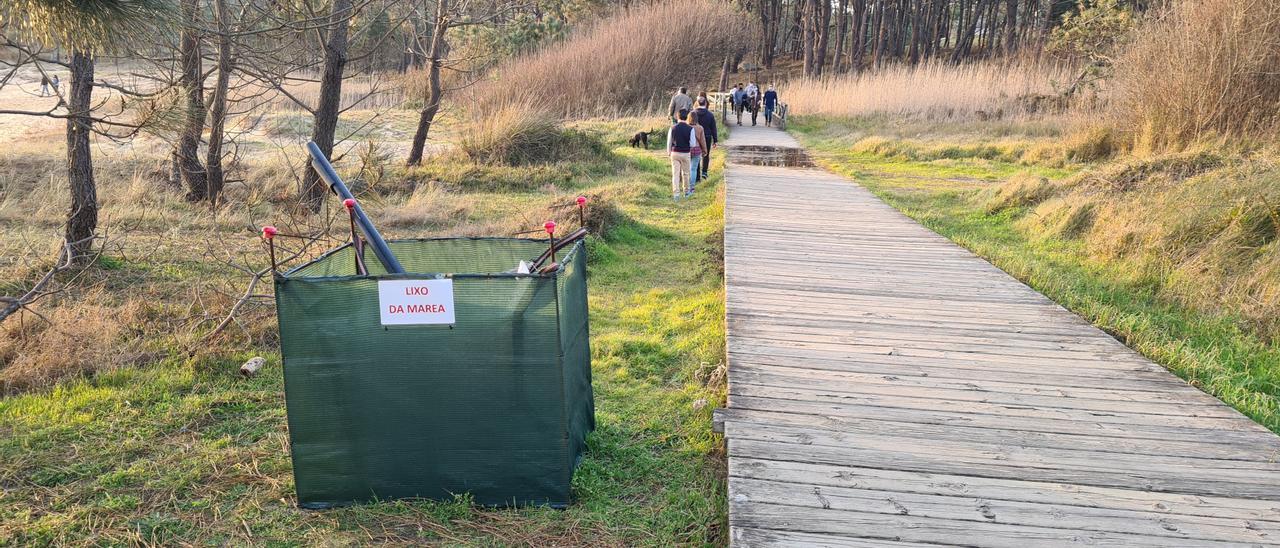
x,y
1206,68
520,133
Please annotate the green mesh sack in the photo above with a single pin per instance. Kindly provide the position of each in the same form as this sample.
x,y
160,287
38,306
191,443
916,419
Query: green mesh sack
x,y
497,404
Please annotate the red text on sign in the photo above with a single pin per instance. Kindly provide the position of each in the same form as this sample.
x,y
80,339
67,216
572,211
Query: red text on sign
x,y
416,309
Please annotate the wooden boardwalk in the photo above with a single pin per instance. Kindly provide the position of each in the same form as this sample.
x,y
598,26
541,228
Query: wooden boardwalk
x,y
889,388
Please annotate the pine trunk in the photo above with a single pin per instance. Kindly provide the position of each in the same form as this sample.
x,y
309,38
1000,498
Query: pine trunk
x,y
435,92
823,18
1011,26
858,40
218,103
808,36
842,27
82,218
329,106
194,177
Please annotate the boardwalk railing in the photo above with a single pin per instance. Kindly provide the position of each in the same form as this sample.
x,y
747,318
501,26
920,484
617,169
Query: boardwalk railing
x,y
780,114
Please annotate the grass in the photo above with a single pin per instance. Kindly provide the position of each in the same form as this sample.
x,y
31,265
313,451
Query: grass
x,y
178,449
1210,345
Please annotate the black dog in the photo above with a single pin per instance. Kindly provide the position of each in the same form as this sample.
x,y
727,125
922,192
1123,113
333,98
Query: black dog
x,y
641,140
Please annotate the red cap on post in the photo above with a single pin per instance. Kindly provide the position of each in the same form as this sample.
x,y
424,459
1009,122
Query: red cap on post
x,y
349,203
269,232
582,200
550,226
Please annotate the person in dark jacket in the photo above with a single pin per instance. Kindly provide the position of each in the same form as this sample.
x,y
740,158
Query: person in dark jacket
x,y
707,120
770,103
681,139
739,101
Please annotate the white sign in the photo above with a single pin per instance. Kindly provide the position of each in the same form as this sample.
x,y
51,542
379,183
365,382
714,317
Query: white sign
x,y
415,302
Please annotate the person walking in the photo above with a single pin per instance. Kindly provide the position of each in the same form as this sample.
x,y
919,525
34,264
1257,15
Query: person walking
x,y
696,149
707,120
770,103
739,100
753,101
44,85
55,84
681,139
679,101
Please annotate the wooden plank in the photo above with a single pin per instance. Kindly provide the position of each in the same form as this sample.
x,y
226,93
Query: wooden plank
x,y
930,305
983,511
888,334
1144,377
995,463
997,436
1084,496
781,395
792,305
749,537
908,528
971,354
868,353
745,371
1009,455
898,366
1080,400
876,323
1258,438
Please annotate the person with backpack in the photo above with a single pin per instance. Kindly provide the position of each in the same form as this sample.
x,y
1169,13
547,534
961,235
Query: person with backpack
x,y
770,103
696,150
707,120
679,101
681,139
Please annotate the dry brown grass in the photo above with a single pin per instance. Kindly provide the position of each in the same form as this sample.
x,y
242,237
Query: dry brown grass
x,y
934,91
91,336
626,63
1205,69
428,206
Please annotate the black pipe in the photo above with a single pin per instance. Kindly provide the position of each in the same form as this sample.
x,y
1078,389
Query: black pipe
x,y
380,249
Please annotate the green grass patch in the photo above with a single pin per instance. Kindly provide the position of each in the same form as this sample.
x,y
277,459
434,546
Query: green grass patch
x,y
1210,350
181,451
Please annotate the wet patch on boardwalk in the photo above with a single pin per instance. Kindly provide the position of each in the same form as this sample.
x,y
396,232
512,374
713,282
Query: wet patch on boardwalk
x,y
761,155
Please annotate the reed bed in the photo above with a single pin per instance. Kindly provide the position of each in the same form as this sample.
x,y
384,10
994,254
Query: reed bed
x,y
627,63
933,90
